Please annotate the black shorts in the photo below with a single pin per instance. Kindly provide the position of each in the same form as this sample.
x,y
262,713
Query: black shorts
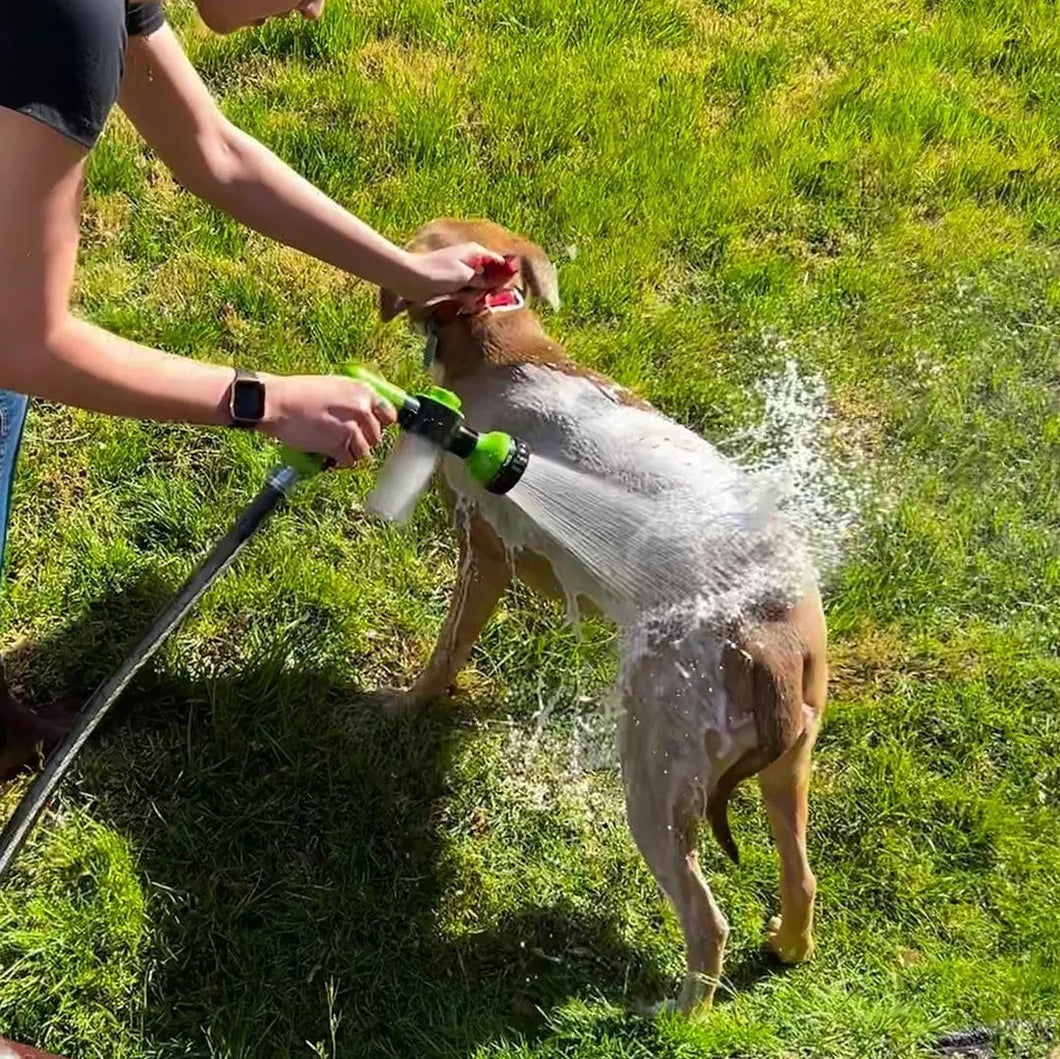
x,y
61,61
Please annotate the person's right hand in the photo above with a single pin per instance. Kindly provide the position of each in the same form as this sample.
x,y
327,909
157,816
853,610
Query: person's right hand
x,y
328,415
437,273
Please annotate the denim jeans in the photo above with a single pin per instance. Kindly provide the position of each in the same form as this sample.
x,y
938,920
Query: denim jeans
x,y
12,419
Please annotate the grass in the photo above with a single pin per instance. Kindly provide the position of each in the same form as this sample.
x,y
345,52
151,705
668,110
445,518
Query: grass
x,y
251,862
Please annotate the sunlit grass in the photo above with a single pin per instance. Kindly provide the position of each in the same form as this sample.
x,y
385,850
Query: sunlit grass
x,y
250,851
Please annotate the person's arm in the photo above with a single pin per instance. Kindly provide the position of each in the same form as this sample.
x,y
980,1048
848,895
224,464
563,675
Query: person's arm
x,y
47,352
172,109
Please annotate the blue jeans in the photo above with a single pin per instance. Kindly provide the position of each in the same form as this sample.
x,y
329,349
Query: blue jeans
x,y
12,419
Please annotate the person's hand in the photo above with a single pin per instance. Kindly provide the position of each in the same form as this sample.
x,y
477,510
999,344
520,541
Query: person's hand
x,y
329,415
440,272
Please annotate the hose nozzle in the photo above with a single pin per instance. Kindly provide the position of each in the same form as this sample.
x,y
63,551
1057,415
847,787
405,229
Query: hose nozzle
x,y
495,460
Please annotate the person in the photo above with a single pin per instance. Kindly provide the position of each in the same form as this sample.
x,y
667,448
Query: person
x,y
63,65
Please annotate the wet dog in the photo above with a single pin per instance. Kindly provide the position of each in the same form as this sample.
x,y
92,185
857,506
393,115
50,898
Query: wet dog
x,y
703,706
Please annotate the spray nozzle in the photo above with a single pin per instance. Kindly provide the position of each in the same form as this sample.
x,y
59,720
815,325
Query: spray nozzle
x,y
495,460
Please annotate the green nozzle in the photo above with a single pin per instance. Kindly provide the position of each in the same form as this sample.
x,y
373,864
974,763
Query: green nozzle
x,y
498,461
489,456
442,396
495,460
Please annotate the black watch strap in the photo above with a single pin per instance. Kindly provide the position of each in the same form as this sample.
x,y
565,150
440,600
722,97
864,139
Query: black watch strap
x,y
246,400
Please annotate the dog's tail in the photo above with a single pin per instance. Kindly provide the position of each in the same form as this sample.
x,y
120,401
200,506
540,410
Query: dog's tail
x,y
764,667
744,768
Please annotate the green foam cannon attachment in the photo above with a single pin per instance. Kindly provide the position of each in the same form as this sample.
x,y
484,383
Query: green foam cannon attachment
x,y
495,460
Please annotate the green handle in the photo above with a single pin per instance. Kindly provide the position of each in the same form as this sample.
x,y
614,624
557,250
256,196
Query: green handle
x,y
305,463
385,389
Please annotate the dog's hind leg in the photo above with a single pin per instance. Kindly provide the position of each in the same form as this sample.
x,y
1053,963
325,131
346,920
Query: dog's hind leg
x,y
484,573
664,824
785,791
785,786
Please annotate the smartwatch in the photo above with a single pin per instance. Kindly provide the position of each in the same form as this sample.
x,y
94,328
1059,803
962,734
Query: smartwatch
x,y
246,400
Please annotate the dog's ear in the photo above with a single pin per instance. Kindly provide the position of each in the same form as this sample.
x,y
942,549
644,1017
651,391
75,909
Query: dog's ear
x,y
539,274
390,305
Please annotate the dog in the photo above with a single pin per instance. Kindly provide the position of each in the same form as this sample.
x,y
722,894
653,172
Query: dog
x,y
702,707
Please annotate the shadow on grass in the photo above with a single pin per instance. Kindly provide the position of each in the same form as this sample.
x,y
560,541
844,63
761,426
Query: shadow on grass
x,y
292,842
742,973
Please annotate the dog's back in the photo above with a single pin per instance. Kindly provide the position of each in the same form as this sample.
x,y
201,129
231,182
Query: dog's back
x,y
595,425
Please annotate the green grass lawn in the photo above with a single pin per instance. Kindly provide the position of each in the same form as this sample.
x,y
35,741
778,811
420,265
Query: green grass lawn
x,y
251,861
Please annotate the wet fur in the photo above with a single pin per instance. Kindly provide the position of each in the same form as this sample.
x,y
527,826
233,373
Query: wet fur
x,y
770,672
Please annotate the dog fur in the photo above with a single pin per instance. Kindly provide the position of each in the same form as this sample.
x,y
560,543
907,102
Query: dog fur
x,y
705,708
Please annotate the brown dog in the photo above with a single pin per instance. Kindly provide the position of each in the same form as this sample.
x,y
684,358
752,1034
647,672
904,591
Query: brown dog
x,y
703,707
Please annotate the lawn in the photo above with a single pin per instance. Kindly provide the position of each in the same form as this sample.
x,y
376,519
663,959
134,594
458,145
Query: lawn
x,y
251,861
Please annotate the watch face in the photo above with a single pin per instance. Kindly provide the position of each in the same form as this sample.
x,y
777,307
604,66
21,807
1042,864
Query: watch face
x,y
248,400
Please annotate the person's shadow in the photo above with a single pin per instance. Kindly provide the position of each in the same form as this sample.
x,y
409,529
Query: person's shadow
x,y
291,841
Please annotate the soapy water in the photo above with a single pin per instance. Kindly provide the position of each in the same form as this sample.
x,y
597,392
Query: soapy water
x,y
677,560
785,508
783,515
644,553
822,489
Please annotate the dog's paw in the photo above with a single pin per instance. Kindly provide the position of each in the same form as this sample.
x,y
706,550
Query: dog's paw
x,y
796,949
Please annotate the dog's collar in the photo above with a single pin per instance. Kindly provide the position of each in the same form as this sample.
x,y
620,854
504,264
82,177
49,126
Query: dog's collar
x,y
505,300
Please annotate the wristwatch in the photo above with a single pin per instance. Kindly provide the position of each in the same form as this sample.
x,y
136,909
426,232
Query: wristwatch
x,y
246,400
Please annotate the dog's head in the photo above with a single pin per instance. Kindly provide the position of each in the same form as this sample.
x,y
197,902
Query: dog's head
x,y
535,278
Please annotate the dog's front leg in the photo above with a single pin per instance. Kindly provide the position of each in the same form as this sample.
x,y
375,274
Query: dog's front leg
x,y
484,574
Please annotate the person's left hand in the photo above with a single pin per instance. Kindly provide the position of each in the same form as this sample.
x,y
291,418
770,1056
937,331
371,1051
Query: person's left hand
x,y
440,272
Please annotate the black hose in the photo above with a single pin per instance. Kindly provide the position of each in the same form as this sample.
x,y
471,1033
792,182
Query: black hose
x,y
976,1042
62,757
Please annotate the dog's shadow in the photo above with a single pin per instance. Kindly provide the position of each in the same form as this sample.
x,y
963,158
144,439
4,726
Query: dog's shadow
x,y
745,971
290,839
